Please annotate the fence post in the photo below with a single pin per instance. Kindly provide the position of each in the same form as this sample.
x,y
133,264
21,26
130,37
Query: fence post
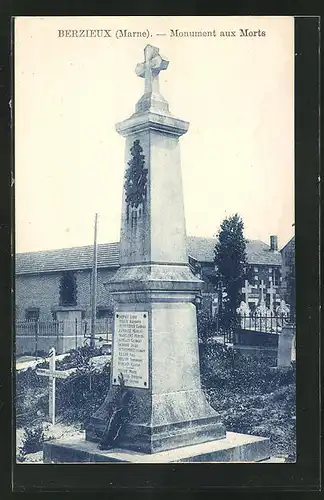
x,y
36,337
76,333
84,331
57,327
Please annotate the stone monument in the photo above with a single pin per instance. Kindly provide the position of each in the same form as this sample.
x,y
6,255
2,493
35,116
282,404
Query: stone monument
x,y
155,341
155,344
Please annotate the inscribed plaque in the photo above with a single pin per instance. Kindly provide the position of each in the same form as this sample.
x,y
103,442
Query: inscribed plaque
x,y
130,355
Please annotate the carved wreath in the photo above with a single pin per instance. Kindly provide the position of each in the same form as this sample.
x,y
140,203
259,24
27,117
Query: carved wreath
x,y
136,176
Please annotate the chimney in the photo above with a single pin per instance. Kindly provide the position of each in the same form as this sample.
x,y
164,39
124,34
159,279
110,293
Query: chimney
x,y
274,243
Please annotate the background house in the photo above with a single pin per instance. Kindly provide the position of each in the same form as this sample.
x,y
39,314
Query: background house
x,y
47,281
288,273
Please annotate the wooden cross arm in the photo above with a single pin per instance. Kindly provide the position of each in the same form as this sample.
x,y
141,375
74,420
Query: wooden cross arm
x,y
56,374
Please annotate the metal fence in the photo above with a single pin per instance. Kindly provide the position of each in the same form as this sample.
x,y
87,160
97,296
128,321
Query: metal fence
x,y
33,328
267,323
37,336
249,324
103,328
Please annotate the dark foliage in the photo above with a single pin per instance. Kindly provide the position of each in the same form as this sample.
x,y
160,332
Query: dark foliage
x,y
81,394
77,397
78,357
31,398
32,441
231,266
205,325
251,397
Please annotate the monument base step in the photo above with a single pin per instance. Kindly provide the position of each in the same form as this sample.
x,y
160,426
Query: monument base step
x,y
233,448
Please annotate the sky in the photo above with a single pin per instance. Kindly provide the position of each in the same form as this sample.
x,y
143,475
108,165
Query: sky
x,y
237,93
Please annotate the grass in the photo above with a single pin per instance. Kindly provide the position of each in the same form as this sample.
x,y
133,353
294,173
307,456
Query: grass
x,y
251,397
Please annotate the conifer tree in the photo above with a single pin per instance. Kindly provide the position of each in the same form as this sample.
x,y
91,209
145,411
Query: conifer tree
x,y
231,263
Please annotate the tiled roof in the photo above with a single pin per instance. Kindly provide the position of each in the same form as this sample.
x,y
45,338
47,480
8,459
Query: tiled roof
x,y
201,249
67,259
258,252
291,242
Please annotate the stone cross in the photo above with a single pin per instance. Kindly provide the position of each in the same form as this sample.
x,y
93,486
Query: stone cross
x,y
272,293
150,69
246,290
262,287
52,375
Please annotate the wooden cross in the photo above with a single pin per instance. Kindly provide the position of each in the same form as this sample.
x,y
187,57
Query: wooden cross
x,y
246,290
272,293
262,287
52,374
150,69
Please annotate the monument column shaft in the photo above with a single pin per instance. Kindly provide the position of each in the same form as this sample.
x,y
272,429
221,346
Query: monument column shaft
x,y
154,232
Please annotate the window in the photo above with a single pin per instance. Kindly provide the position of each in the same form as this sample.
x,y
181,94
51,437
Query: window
x,y
255,269
32,314
256,278
270,270
276,277
68,289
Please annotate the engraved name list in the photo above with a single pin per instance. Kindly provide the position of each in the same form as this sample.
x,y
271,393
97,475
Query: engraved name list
x,y
131,349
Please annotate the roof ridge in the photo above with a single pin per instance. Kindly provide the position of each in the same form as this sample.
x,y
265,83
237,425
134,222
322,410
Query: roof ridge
x,y
200,248
68,248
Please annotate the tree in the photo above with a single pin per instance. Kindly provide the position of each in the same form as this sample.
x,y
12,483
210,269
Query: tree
x,y
231,264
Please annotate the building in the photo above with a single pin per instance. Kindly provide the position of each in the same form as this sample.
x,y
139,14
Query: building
x,y
50,281
264,270
288,273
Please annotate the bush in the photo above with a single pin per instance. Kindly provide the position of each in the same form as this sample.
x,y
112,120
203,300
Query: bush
x,y
78,358
77,397
222,366
33,440
31,396
81,394
205,325
251,397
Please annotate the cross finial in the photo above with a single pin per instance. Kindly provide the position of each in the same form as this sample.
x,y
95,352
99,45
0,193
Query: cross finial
x,y
150,69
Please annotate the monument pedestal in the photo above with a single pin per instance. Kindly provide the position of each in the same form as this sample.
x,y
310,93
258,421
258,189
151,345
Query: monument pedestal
x,y
233,448
170,408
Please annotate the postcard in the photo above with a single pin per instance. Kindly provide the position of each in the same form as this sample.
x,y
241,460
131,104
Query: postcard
x,y
155,317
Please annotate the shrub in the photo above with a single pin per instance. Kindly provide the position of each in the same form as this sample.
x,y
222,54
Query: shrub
x,y
250,396
222,366
31,395
81,394
77,397
205,325
32,441
78,358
